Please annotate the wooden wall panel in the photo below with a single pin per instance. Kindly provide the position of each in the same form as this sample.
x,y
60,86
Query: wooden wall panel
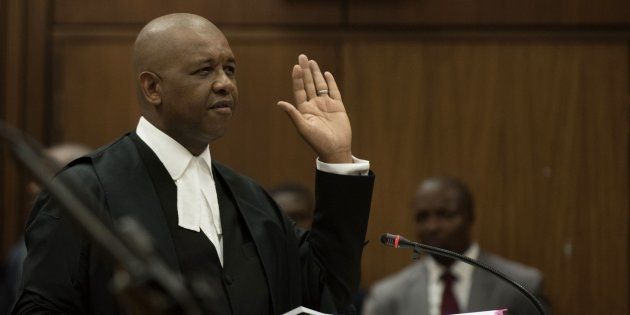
x,y
242,12
489,12
37,69
94,96
25,52
601,231
516,120
12,98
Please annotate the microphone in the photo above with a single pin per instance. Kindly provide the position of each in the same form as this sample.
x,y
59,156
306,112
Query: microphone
x,y
397,241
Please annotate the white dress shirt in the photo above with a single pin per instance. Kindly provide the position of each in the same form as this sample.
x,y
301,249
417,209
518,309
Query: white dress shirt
x,y
197,203
462,271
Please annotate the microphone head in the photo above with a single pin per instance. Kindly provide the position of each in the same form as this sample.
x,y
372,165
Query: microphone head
x,y
396,241
384,238
390,240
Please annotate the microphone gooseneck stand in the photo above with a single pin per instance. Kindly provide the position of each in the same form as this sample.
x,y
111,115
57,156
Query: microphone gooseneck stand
x,y
398,241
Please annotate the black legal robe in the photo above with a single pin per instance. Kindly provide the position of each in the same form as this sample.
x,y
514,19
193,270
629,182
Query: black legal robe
x,y
242,272
319,269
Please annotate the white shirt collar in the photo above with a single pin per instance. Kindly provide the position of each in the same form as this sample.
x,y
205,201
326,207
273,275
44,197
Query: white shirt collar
x,y
172,154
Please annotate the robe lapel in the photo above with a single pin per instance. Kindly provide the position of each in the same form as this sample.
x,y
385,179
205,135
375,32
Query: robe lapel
x,y
130,192
271,251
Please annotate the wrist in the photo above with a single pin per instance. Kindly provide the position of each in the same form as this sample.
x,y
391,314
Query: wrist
x,y
337,158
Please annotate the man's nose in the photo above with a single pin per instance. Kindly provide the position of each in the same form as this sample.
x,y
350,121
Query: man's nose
x,y
432,224
223,85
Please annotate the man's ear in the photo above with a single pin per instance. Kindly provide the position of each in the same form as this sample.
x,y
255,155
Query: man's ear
x,y
151,89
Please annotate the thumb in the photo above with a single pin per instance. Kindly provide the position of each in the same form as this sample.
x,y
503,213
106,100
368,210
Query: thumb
x,y
294,114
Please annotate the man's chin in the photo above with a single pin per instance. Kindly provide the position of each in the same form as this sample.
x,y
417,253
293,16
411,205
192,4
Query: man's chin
x,y
432,242
217,133
442,260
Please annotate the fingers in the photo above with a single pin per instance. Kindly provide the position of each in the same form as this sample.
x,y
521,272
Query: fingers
x,y
298,85
308,79
307,76
318,78
333,90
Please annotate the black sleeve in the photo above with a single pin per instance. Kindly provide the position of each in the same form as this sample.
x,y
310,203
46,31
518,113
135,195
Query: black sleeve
x,y
55,273
331,253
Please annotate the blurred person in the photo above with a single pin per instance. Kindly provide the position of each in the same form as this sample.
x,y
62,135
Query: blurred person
x,y
60,155
443,210
203,217
296,201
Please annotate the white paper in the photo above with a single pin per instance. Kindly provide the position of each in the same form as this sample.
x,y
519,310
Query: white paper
x,y
304,310
495,312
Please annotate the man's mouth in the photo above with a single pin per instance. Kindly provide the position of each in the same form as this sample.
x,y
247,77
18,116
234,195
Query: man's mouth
x,y
221,104
224,106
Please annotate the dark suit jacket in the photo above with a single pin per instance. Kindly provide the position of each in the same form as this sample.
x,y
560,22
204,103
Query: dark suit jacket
x,y
406,292
65,273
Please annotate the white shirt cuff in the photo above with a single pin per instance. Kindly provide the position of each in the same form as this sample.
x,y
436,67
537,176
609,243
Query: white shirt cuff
x,y
357,167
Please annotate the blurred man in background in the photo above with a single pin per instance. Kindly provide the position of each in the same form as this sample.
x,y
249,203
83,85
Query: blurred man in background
x,y
443,209
296,201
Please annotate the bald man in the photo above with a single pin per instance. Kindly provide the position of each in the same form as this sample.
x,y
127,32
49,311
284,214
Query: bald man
x,y
206,219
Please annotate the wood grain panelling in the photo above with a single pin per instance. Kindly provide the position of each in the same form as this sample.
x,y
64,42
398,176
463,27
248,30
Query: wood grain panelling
x,y
24,99
12,98
517,121
269,12
489,12
37,70
601,234
94,96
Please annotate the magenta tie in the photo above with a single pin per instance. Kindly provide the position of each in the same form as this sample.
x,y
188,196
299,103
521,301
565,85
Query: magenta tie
x,y
449,302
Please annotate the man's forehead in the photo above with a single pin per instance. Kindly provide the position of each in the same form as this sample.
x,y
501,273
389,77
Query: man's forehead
x,y
432,194
199,48
430,186
202,38
178,38
195,35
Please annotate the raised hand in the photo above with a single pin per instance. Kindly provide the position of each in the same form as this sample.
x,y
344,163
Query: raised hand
x,y
319,114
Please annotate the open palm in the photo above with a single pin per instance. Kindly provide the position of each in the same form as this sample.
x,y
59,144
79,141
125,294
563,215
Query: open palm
x,y
319,114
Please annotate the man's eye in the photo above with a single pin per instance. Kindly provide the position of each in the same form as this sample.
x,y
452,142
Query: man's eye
x,y
422,217
446,214
204,71
229,70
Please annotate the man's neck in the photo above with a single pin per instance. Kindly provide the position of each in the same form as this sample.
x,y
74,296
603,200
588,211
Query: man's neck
x,y
448,262
194,146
